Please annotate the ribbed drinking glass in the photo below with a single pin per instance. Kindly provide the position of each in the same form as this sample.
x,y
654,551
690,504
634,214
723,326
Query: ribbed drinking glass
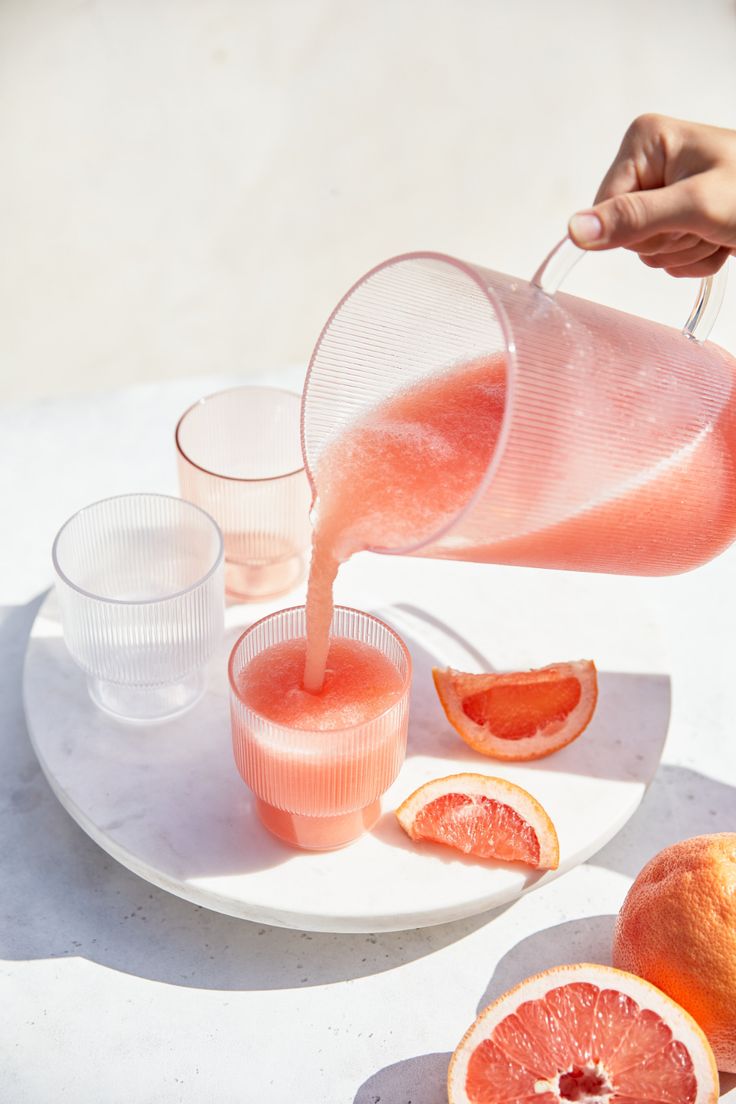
x,y
140,585
319,789
239,457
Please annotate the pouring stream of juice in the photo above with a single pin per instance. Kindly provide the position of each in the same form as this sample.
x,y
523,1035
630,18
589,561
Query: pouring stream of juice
x,y
400,472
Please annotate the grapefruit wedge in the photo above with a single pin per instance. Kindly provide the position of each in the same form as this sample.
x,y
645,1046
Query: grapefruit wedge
x,y
523,714
586,1033
488,818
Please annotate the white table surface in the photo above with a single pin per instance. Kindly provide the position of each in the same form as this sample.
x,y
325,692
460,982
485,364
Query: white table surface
x,y
115,991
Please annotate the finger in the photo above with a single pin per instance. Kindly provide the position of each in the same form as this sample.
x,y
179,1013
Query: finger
x,y
707,267
640,161
621,177
636,216
667,243
690,256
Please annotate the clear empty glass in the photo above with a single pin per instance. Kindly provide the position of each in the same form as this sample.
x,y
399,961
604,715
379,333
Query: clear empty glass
x,y
239,457
140,585
319,789
617,443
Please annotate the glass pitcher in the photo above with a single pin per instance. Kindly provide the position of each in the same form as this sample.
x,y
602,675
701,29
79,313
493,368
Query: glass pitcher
x,y
617,446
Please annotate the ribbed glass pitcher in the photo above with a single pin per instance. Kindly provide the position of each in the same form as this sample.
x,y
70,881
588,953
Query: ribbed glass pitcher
x,y
617,444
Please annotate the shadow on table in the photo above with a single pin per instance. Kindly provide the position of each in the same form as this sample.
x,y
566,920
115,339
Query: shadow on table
x,y
624,740
585,940
205,823
63,896
422,1080
680,803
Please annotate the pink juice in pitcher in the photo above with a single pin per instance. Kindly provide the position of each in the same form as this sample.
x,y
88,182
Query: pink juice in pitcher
x,y
406,467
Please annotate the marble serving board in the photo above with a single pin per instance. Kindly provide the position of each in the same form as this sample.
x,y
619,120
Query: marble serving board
x,y
166,801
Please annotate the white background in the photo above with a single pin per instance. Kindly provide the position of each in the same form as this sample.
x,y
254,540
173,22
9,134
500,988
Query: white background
x,y
188,186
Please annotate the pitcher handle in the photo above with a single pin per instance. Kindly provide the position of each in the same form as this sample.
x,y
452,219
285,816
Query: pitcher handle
x,y
565,255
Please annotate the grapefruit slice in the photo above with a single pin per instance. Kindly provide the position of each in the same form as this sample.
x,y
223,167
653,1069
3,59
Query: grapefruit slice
x,y
481,816
586,1033
521,715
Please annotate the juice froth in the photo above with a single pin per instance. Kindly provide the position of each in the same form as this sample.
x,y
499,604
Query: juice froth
x,y
360,683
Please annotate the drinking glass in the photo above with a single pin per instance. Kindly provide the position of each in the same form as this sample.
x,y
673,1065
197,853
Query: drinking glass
x,y
319,789
239,457
140,584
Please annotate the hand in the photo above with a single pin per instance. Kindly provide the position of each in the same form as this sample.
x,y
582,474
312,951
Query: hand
x,y
670,196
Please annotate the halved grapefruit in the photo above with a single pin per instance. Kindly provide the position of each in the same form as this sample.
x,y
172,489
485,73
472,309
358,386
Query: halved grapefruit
x,y
586,1033
488,818
523,714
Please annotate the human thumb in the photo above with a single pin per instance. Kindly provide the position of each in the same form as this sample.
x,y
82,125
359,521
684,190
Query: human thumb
x,y
632,217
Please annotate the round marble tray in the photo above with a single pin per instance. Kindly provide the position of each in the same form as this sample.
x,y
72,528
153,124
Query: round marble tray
x,y
166,801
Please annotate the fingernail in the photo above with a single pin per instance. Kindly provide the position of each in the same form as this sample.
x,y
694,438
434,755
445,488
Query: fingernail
x,y
585,228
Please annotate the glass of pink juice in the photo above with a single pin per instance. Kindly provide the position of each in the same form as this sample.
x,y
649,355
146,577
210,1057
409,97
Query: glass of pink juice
x,y
319,763
239,456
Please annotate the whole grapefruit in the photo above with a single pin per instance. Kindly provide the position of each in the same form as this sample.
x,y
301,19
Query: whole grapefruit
x,y
677,929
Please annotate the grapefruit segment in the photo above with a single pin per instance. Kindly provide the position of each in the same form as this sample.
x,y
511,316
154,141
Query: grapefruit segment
x,y
488,818
523,714
585,1033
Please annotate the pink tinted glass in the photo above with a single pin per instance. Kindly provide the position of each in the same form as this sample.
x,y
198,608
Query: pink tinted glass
x,y
239,458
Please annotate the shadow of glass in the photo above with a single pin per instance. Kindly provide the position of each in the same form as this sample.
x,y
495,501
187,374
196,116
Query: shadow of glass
x,y
180,805
679,803
432,644
451,644
422,1080
624,740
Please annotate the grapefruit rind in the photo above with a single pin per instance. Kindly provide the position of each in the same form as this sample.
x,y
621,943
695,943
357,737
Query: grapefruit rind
x,y
677,928
497,789
453,686
647,996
